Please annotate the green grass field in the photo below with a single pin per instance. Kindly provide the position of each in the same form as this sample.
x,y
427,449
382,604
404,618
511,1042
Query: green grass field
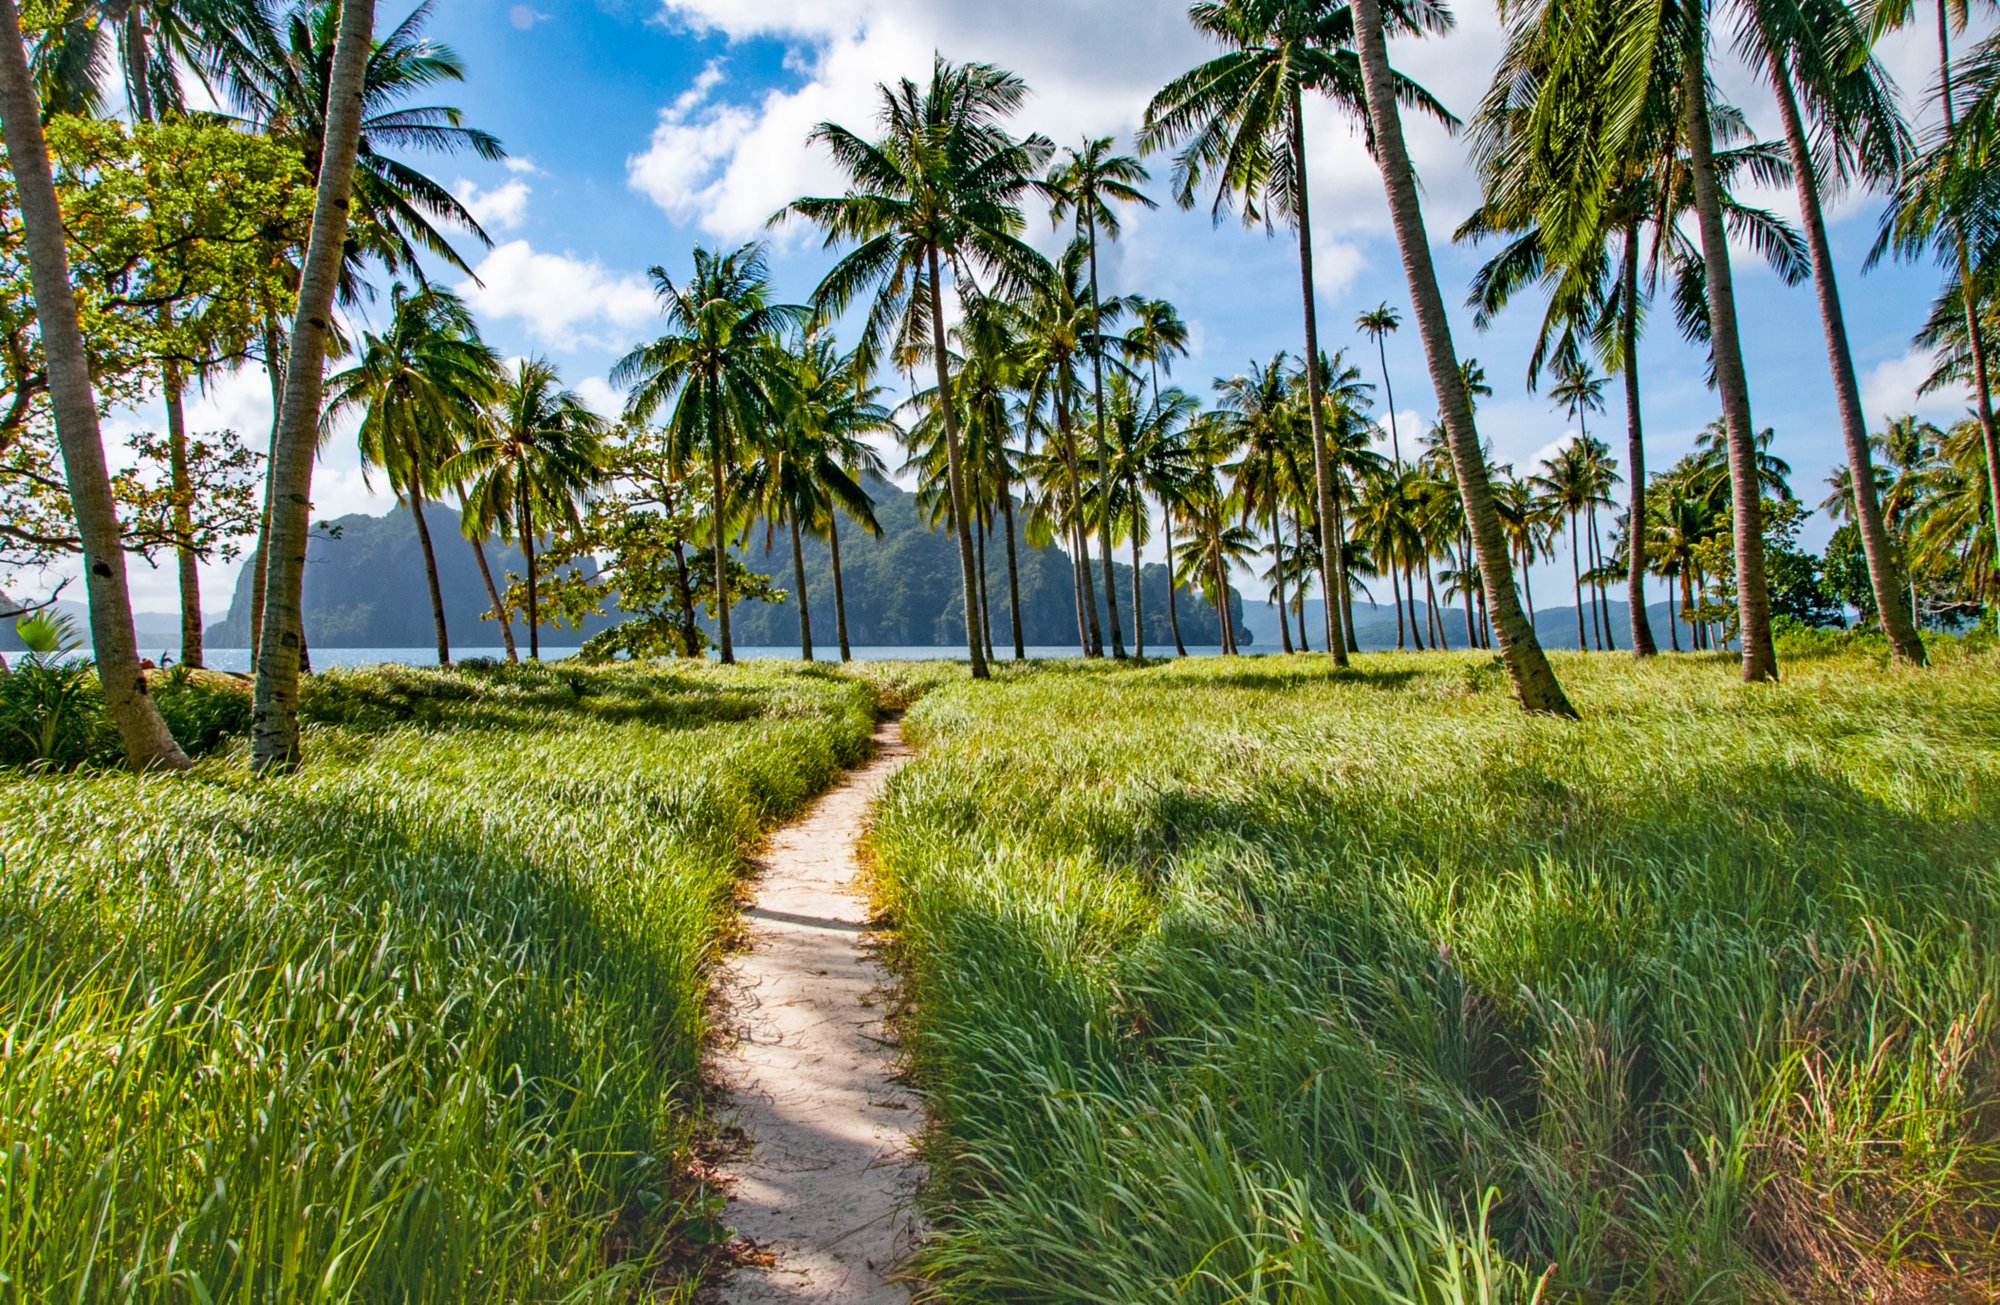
x,y
1241,981
420,1023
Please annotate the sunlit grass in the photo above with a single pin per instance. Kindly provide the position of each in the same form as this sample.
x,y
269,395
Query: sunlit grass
x,y
420,1023
1243,981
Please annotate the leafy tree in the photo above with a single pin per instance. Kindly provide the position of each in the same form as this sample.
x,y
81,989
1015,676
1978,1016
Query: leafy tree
x,y
939,191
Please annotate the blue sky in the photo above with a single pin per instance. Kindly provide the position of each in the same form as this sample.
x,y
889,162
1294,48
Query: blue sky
x,y
641,127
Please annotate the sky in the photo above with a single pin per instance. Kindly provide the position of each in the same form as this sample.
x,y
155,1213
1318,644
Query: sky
x,y
639,128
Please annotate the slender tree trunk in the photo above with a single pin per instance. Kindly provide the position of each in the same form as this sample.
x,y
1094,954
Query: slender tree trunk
x,y
1097,399
1576,578
114,643
1389,393
1687,610
1437,617
1332,529
274,730
1110,582
1086,596
1753,599
1278,572
493,596
182,489
1534,679
1219,577
1673,617
1527,584
961,520
1635,451
718,471
1465,589
839,587
1396,600
1138,580
985,598
416,497
805,607
1883,577
275,373
1173,603
1410,590
1013,574
1347,613
525,513
1596,564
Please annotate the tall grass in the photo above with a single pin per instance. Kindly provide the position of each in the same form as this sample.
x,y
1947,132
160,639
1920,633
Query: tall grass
x,y
421,1023
1249,981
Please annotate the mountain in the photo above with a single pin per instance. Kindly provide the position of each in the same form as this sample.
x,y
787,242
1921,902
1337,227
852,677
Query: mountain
x,y
158,631
1375,626
364,588
903,588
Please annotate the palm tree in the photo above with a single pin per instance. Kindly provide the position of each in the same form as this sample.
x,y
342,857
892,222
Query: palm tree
x,y
147,742
480,516
1261,422
833,409
940,189
1086,182
421,385
1378,324
1528,525
723,367
1241,117
1155,457
1156,337
1534,679
274,730
540,450
1568,486
1387,522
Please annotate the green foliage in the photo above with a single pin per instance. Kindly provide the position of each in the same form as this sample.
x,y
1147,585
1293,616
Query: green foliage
x,y
1254,982
421,1023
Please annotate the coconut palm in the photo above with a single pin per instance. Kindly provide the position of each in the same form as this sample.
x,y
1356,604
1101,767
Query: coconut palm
x,y
421,386
1156,337
274,729
833,408
539,452
938,192
1534,680
1086,182
1378,324
147,742
1569,485
1257,411
479,518
1239,122
723,368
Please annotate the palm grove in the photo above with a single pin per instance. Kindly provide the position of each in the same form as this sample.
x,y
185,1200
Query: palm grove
x,y
1036,398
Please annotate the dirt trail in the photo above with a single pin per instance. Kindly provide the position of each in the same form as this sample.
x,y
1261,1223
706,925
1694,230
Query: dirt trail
x,y
827,1183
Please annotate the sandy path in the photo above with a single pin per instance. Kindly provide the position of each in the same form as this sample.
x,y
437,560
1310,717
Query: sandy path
x,y
826,1186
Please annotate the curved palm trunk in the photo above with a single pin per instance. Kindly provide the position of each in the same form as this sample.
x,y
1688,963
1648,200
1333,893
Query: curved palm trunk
x,y
431,575
1389,395
274,730
182,490
1173,604
1753,601
1333,566
1437,617
805,608
725,646
1410,591
1883,577
1527,585
526,513
1576,579
1635,452
499,608
954,476
1534,679
839,588
1346,612
115,645
1396,601
1013,572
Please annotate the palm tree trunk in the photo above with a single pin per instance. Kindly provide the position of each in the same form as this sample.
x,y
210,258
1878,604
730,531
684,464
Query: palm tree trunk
x,y
493,597
1437,617
1465,589
1410,590
1673,617
182,490
1013,573
1332,529
1138,585
1219,578
1389,395
1596,590
1278,573
1396,601
1097,400
1173,604
839,586
1635,451
1896,619
805,607
274,731
1534,679
431,574
115,645
954,476
1753,600
1576,579
274,372
526,524
1528,584
985,598
718,472
1079,537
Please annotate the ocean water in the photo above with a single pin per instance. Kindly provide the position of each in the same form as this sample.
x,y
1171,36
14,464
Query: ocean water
x,y
238,659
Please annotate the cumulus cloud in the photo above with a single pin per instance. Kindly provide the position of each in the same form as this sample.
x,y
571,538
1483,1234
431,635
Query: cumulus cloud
x,y
502,207
603,399
1889,389
562,300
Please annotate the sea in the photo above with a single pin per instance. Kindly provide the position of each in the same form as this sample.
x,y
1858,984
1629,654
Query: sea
x,y
238,659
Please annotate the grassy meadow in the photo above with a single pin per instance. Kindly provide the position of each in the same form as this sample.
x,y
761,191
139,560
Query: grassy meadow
x,y
421,1023
1238,981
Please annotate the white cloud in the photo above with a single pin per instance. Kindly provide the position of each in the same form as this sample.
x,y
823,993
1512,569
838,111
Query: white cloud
x,y
521,167
502,206
564,301
1890,390
603,398
524,17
